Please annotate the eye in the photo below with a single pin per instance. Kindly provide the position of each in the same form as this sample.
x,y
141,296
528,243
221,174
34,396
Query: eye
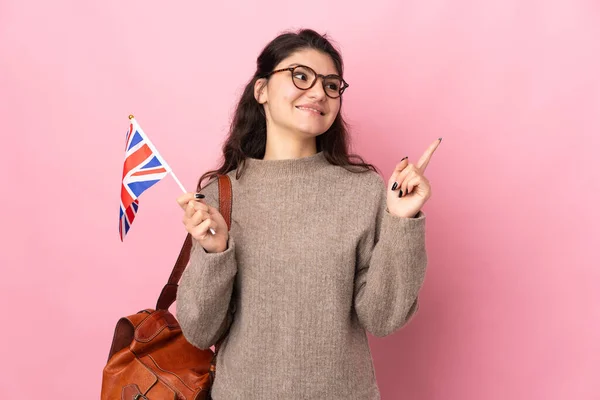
x,y
303,76
333,86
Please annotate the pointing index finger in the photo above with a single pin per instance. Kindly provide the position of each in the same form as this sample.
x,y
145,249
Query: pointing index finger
x,y
426,157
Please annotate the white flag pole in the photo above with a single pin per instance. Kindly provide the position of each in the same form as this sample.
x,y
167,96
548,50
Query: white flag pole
x,y
177,181
131,117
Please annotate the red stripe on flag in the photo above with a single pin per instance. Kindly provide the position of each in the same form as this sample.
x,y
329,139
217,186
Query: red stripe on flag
x,y
126,198
148,172
130,214
136,158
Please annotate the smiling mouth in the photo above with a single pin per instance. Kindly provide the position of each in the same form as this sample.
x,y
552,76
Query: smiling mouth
x,y
311,110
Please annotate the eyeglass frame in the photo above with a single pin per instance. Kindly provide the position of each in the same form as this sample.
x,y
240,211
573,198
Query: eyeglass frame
x,y
291,69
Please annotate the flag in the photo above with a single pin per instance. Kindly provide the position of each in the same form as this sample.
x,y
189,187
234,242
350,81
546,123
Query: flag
x,y
143,167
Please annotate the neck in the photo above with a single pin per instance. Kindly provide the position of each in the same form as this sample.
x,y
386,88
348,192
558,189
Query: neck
x,y
283,144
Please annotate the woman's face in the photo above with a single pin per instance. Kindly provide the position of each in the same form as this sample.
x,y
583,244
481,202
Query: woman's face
x,y
308,113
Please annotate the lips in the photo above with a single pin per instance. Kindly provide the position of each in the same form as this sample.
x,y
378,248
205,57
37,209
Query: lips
x,y
311,108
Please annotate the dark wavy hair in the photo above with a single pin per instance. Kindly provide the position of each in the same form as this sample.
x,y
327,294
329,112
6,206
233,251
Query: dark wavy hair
x,y
248,132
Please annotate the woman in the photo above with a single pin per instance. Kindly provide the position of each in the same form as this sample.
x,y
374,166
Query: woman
x,y
320,250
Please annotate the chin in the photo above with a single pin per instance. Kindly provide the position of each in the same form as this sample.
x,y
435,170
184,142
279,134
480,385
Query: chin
x,y
312,131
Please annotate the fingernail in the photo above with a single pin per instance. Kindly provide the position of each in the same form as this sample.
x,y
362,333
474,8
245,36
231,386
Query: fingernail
x,y
199,196
395,185
400,195
404,158
440,139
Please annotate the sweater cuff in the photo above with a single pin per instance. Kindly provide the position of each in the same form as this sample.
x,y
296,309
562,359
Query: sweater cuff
x,y
402,228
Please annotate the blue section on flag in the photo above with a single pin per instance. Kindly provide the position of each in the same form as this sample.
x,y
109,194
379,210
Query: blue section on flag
x,y
135,206
135,139
153,163
137,188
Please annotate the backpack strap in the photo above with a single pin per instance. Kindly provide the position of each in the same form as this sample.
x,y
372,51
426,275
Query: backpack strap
x,y
169,291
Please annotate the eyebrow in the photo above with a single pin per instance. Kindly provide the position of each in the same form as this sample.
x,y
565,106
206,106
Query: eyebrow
x,y
296,64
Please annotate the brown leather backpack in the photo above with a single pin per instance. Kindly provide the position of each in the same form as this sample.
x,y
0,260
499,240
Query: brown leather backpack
x,y
149,357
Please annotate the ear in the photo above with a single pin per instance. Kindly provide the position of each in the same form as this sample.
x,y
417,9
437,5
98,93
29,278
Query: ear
x,y
260,90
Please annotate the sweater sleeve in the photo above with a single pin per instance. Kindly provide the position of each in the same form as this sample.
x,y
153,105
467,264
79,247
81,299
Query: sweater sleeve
x,y
391,265
204,297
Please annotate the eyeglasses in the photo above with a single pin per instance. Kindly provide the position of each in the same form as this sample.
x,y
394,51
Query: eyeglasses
x,y
305,78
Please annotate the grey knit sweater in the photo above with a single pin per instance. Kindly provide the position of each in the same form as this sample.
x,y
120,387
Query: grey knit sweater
x,y
314,260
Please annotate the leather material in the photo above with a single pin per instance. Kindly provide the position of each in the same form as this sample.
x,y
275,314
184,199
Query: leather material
x,y
149,357
130,392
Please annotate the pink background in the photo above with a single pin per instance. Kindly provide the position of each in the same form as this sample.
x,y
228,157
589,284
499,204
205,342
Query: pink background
x,y
510,306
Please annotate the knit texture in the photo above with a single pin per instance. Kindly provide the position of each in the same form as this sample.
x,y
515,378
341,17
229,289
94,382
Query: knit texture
x,y
314,260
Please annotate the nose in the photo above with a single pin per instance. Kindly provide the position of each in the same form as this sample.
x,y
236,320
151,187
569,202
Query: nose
x,y
317,92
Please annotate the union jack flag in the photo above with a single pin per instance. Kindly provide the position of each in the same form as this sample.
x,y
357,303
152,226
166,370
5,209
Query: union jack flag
x,y
142,169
